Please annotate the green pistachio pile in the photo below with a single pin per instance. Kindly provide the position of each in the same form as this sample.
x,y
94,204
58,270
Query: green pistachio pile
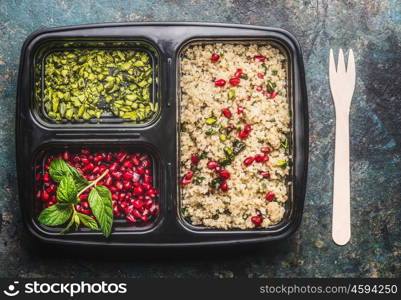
x,y
93,83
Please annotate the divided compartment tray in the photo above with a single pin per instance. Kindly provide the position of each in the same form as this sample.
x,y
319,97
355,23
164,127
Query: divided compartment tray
x,y
159,137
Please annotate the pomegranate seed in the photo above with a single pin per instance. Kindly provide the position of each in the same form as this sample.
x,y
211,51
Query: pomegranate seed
x,y
85,205
184,182
146,186
248,128
140,170
260,75
224,174
257,220
212,165
46,177
259,88
235,81
148,203
154,209
136,177
265,158
38,194
138,204
248,161
147,172
130,219
259,58
119,185
189,175
127,184
45,196
108,181
38,176
238,73
146,163
147,179
128,164
194,159
138,190
264,93
270,196
258,158
243,134
128,176
113,189
83,197
116,174
265,149
113,167
217,169
273,95
76,159
215,57
220,82
226,112
240,110
121,197
95,170
136,213
98,158
224,186
135,161
144,219
265,174
66,156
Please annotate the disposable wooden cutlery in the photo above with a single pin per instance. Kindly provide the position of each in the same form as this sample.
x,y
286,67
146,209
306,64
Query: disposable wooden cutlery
x,y
342,84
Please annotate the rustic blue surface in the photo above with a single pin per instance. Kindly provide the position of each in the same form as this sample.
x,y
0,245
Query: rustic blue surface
x,y
371,28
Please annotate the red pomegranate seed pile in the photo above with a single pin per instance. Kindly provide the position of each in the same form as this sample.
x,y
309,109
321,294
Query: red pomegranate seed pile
x,y
129,179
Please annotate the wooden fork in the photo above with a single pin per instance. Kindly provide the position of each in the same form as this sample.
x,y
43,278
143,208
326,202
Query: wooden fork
x,y
342,84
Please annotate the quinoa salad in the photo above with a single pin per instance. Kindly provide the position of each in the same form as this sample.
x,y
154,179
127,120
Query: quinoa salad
x,y
235,134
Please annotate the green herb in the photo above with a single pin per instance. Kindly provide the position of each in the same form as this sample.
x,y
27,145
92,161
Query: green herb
x,y
228,151
244,76
270,86
210,131
274,72
264,186
238,147
226,161
55,215
203,155
100,202
198,180
231,94
214,184
282,163
284,143
67,190
71,185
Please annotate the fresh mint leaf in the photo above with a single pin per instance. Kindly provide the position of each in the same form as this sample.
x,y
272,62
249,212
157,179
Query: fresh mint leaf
x,y
67,190
68,225
59,168
55,215
100,202
79,179
88,221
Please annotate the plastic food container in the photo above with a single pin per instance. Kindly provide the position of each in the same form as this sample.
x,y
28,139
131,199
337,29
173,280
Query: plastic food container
x,y
38,135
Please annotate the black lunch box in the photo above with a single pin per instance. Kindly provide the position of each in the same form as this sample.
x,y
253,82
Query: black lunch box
x,y
37,135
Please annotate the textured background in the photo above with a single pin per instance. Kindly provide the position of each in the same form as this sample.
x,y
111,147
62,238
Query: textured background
x,y
371,28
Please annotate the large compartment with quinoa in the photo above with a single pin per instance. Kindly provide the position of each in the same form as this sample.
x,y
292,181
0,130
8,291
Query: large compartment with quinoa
x,y
235,134
161,135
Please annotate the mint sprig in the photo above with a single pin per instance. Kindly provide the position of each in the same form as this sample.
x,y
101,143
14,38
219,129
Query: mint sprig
x,y
71,185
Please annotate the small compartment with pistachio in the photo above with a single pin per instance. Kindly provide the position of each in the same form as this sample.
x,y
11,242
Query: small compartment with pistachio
x,y
97,85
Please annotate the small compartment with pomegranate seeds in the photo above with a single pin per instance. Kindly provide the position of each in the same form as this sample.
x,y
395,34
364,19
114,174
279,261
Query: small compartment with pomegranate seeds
x,y
128,175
